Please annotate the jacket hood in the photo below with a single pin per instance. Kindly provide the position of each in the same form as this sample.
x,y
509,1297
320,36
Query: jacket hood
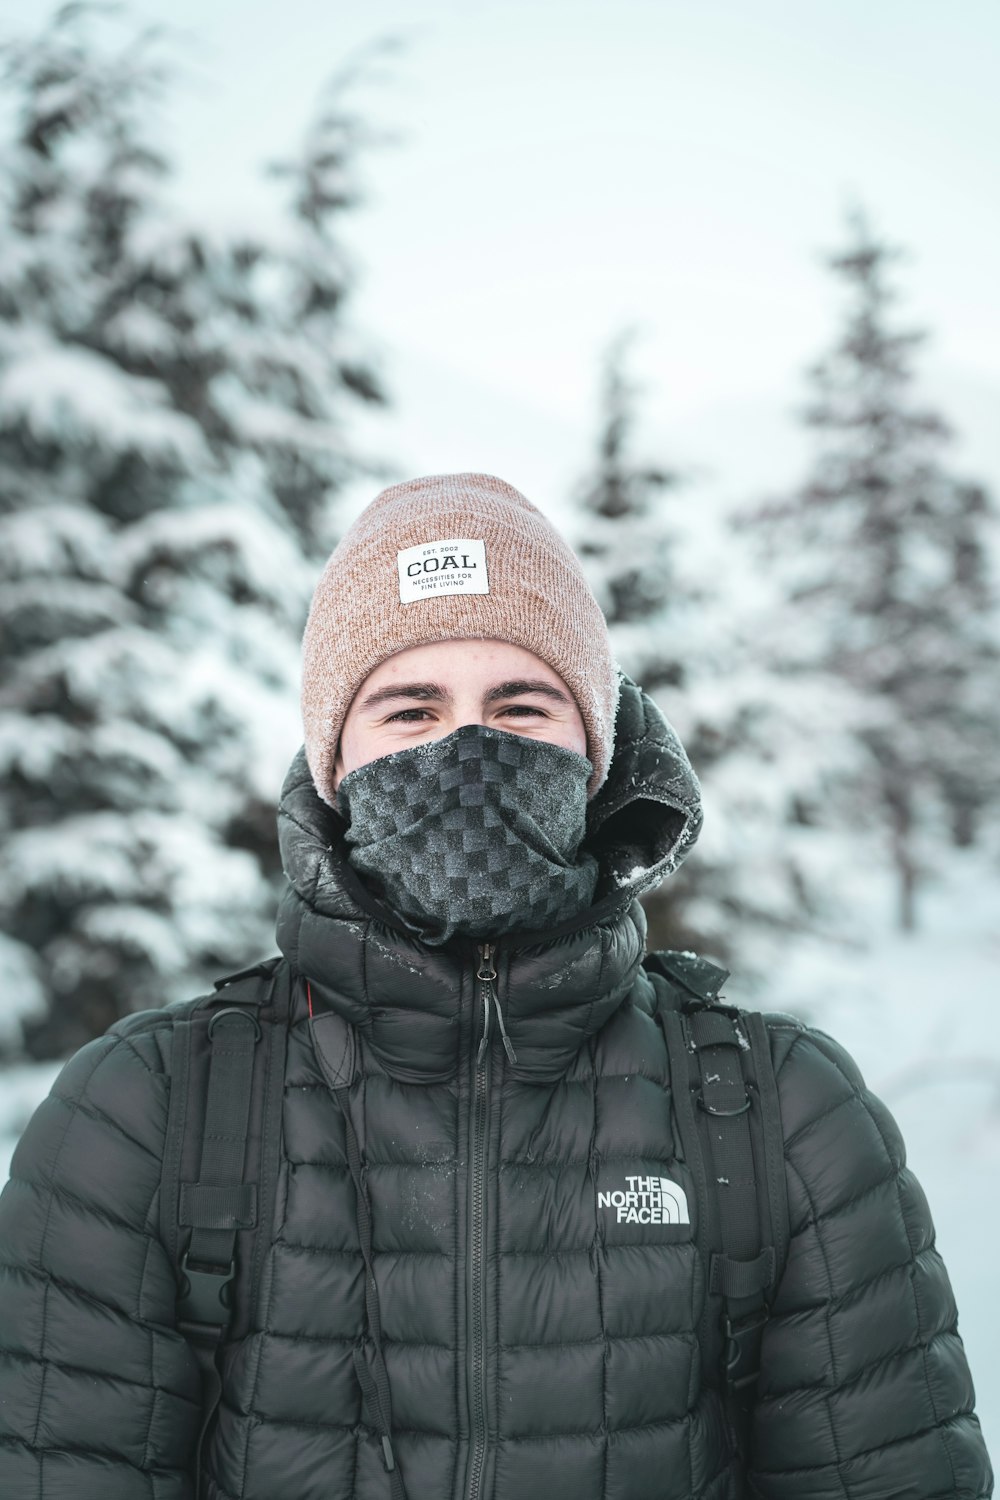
x,y
648,814
557,987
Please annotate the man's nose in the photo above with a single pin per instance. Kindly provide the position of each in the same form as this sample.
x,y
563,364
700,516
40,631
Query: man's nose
x,y
467,711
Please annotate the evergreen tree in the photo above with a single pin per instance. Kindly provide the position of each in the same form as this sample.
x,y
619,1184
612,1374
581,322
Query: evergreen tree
x,y
172,407
677,596
881,558
625,539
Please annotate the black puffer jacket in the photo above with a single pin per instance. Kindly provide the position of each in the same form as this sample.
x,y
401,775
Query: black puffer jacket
x,y
535,1347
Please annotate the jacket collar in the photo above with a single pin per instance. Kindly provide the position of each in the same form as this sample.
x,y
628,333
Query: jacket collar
x,y
555,989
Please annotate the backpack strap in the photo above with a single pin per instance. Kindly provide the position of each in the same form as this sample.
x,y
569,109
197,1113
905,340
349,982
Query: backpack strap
x,y
731,1126
210,1211
220,1202
737,1140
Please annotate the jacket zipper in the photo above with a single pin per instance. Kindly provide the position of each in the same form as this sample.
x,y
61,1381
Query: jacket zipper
x,y
478,1424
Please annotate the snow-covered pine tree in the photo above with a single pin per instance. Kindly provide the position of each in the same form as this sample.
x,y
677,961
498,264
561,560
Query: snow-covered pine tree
x,y
677,595
626,539
625,533
967,786
172,406
881,558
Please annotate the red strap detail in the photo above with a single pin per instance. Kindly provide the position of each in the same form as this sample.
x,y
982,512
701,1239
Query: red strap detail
x,y
309,997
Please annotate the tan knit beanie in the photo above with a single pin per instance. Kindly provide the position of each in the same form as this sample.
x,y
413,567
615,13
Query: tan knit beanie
x,y
450,557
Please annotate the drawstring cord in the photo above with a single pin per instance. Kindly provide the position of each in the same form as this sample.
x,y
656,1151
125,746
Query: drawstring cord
x,y
369,1361
507,1047
485,1040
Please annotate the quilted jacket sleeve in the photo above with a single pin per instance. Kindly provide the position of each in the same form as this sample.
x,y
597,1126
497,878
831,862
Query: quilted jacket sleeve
x,y
99,1394
865,1391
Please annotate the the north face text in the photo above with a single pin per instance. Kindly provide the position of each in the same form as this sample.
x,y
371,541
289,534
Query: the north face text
x,y
648,1200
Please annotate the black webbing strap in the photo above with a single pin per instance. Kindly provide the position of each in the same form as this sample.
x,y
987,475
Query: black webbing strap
x,y
726,1101
744,1269
220,1203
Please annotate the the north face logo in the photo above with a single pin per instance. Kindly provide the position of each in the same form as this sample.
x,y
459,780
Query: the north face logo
x,y
648,1200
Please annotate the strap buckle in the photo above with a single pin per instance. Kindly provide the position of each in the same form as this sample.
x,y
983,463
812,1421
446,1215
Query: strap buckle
x,y
738,1355
204,1300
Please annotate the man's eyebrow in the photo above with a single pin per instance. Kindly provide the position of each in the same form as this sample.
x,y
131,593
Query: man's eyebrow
x,y
416,692
518,686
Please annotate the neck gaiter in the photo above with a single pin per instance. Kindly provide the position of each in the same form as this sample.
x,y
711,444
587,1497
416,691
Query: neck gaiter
x,y
477,834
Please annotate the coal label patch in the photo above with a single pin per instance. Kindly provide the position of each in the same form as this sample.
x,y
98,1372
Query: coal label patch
x,y
455,566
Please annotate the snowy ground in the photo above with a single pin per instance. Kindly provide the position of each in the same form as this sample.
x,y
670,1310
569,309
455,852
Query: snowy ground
x,y
919,1015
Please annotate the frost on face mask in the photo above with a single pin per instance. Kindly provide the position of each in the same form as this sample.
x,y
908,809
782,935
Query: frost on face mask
x,y
477,834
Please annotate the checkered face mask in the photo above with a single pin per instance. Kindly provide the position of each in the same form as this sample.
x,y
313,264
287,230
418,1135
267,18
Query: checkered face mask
x,y
477,834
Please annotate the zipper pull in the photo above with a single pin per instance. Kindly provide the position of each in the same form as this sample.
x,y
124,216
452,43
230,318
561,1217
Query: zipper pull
x,y
507,1047
486,974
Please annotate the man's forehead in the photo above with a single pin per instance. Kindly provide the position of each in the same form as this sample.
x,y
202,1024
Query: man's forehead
x,y
451,660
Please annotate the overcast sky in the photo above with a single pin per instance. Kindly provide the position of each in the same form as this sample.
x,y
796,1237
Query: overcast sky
x,y
564,168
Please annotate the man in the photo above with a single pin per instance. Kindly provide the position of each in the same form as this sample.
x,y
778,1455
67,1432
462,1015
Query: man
x,y
477,1271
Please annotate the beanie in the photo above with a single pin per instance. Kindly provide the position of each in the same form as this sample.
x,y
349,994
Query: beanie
x,y
451,557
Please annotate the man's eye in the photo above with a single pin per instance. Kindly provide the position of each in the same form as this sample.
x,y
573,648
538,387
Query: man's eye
x,y
407,716
523,708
